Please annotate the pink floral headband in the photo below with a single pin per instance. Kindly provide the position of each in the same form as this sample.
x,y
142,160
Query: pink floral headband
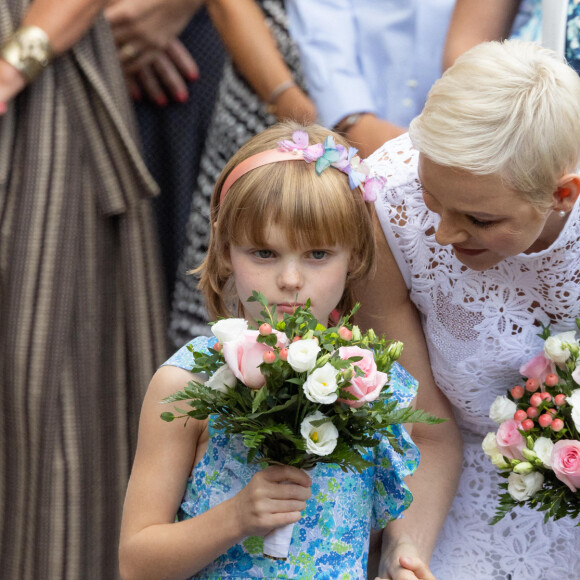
x,y
326,155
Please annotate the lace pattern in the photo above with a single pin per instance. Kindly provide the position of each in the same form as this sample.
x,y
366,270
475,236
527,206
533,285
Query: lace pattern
x,y
479,328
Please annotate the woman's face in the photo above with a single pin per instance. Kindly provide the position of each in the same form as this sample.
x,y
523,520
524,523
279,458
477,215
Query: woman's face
x,y
481,218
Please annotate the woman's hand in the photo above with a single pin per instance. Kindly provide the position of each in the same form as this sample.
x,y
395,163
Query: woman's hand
x,y
154,61
11,83
274,497
402,562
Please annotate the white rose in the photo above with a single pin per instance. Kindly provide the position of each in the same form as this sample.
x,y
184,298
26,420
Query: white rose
x,y
321,385
555,346
302,355
543,449
320,440
576,375
522,487
574,400
502,409
229,329
489,445
222,380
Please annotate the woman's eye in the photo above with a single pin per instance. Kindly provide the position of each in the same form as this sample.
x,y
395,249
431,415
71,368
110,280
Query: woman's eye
x,y
479,223
264,254
319,254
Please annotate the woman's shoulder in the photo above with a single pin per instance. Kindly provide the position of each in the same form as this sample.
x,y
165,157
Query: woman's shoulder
x,y
395,161
183,358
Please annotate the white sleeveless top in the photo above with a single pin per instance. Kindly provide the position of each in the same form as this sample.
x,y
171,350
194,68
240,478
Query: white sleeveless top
x,y
479,328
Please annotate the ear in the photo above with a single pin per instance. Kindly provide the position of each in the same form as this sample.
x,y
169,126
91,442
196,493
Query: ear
x,y
566,195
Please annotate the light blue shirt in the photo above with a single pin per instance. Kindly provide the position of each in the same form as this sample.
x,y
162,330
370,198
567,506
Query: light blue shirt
x,y
376,56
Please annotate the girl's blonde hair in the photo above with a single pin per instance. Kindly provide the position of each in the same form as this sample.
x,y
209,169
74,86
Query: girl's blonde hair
x,y
508,108
312,210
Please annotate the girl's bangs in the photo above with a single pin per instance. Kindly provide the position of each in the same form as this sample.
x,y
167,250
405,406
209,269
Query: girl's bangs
x,y
312,213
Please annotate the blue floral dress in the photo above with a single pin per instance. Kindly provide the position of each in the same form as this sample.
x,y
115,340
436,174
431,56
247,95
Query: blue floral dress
x,y
332,538
528,26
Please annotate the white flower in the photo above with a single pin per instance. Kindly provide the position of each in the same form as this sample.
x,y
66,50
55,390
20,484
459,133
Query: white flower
x,y
576,375
574,401
556,347
522,487
321,385
502,409
320,440
489,446
229,329
543,448
222,380
302,355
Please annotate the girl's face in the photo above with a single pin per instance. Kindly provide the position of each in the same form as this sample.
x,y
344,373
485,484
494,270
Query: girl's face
x,y
483,220
288,277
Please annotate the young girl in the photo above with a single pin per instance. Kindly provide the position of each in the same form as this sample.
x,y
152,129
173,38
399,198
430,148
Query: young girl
x,y
291,229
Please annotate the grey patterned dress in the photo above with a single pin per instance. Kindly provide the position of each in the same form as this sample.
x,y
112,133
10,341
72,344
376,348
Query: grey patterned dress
x,y
238,115
81,311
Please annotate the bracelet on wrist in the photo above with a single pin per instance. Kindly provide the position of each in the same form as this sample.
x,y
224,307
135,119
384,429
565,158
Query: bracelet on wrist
x,y
275,95
348,122
28,50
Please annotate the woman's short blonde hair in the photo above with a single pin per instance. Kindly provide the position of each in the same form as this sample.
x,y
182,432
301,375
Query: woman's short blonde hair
x,y
508,108
317,211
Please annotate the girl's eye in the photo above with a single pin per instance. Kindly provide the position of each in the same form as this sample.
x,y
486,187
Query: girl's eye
x,y
479,223
264,254
319,254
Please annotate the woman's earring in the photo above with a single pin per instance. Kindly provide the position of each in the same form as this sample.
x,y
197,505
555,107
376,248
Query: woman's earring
x,y
562,213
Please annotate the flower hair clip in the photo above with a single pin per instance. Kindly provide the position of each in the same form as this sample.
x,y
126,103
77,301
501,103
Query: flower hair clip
x,y
325,155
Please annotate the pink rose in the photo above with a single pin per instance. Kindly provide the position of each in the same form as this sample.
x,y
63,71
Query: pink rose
x,y
537,368
367,387
566,462
244,356
509,440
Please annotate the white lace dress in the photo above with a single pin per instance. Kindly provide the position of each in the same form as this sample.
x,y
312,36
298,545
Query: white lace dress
x,y
479,328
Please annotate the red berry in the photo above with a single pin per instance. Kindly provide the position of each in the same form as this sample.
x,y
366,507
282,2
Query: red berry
x,y
527,424
269,356
283,354
536,399
520,415
551,380
296,338
345,333
265,329
546,396
218,346
532,385
517,392
532,412
557,425
552,412
545,420
560,399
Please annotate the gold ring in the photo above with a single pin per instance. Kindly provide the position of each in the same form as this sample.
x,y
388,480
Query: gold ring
x,y
127,52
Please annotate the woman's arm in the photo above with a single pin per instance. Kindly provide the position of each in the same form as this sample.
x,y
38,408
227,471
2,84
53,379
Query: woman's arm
x,y
248,40
63,24
152,544
474,21
386,307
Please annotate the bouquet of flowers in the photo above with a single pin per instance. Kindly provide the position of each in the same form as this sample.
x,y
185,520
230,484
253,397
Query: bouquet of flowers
x,y
537,444
298,393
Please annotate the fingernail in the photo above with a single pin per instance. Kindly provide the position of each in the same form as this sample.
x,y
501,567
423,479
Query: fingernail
x,y
181,97
193,76
3,108
161,101
135,95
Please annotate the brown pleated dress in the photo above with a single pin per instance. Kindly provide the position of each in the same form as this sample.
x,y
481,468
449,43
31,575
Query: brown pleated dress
x,y
82,322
